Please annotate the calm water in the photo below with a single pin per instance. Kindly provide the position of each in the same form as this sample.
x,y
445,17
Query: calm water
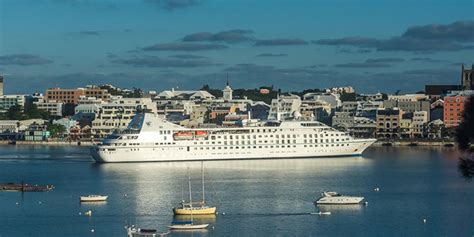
x,y
259,197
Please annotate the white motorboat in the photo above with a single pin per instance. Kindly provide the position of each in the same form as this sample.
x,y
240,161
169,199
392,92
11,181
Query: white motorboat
x,y
186,225
139,232
93,198
334,198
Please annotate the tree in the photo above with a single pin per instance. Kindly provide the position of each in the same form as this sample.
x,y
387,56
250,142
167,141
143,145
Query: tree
x,y
465,138
15,113
56,129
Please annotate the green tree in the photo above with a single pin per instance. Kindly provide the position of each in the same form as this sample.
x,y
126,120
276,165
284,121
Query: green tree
x,y
56,130
15,113
465,139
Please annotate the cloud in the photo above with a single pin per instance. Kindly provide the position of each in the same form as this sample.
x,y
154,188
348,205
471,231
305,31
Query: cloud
x,y
90,32
23,60
280,42
174,4
429,60
272,55
230,36
461,31
153,61
384,60
363,65
187,56
184,47
428,38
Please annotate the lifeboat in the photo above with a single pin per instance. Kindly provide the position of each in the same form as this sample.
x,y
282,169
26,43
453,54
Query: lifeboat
x,y
201,134
183,135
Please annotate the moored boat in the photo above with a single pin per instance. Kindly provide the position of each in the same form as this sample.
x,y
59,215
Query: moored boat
x,y
93,198
334,198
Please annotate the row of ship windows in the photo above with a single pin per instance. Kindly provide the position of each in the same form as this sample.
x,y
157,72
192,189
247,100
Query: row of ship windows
x,y
255,147
277,141
244,147
276,136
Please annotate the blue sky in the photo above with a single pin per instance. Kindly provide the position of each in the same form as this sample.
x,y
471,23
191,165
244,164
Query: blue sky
x,y
372,45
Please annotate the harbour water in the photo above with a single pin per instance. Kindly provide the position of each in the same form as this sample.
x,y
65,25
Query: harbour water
x,y
258,197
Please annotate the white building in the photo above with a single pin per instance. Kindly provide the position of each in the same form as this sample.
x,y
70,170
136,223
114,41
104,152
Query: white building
x,y
9,126
181,95
119,113
227,92
285,107
408,97
330,98
53,107
7,101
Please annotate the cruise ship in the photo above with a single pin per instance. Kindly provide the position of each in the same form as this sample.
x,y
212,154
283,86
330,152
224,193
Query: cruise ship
x,y
150,137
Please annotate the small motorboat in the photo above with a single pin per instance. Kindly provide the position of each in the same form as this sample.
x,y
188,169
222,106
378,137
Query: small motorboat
x,y
186,225
335,198
139,232
93,198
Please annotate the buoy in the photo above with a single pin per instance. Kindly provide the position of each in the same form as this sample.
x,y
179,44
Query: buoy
x,y
125,195
212,227
376,189
92,230
366,203
88,213
424,221
80,213
17,203
39,202
223,213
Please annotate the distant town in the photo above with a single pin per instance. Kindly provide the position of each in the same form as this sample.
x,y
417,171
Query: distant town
x,y
93,112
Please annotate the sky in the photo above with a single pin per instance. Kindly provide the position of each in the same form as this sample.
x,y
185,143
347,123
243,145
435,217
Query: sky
x,y
371,45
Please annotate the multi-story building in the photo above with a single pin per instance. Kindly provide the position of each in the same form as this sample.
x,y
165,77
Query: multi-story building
x,y
453,109
7,101
408,104
419,123
284,107
388,123
72,96
118,114
330,98
53,107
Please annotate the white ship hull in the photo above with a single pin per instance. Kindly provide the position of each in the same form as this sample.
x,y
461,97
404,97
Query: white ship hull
x,y
229,144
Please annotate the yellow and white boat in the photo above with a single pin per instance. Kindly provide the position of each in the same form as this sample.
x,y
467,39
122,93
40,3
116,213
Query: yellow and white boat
x,y
194,208
197,208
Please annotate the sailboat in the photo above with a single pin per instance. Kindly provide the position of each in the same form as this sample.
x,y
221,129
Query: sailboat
x,y
187,225
195,208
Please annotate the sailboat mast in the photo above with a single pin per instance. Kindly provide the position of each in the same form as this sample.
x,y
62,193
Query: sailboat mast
x,y
190,196
202,177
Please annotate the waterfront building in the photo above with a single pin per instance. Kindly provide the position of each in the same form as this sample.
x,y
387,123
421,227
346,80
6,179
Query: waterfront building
x,y
362,127
368,109
388,123
9,126
419,123
7,101
467,78
37,132
454,107
118,114
284,107
343,120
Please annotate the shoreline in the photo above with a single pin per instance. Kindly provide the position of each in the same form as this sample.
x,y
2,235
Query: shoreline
x,y
398,143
